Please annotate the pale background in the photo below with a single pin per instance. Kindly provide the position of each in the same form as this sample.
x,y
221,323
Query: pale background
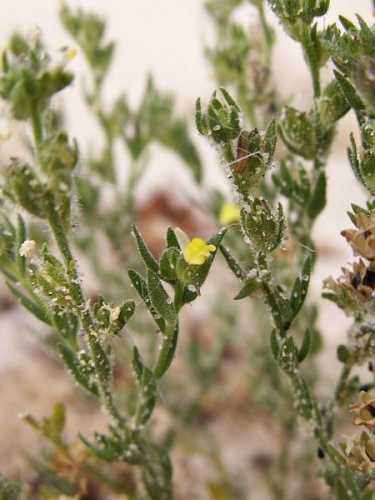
x,y
166,38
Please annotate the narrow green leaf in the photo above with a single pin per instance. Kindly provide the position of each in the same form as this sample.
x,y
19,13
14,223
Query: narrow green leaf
x,y
251,286
30,305
66,324
137,364
233,264
275,348
157,474
349,92
140,284
367,36
82,374
353,159
229,99
287,358
348,25
168,349
200,119
103,450
281,310
172,241
147,257
160,300
167,264
20,238
305,346
300,287
270,138
101,360
147,398
318,197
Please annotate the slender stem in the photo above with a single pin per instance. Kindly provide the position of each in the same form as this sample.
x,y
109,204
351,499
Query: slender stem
x,y
83,311
268,33
37,127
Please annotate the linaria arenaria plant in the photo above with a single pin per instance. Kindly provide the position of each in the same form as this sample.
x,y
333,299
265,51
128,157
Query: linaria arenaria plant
x,y
255,360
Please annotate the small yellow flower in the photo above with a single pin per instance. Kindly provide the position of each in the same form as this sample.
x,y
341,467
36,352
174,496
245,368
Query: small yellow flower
x,y
195,251
229,214
70,52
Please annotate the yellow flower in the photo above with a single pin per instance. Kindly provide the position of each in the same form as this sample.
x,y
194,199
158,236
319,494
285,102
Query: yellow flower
x,y
195,251
229,213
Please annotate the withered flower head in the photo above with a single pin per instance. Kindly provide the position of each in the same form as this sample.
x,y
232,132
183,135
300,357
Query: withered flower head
x,y
360,452
360,280
365,410
362,239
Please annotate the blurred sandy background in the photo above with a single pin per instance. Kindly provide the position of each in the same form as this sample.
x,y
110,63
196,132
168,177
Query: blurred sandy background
x,y
165,38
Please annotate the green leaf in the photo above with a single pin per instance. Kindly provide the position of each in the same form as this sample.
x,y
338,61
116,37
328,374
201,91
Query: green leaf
x,y
30,305
280,307
147,398
233,264
252,285
157,474
66,324
172,241
347,24
367,37
275,348
137,364
297,132
353,159
317,199
305,346
140,284
101,360
343,354
160,300
270,139
287,358
168,349
349,92
147,257
20,238
10,490
81,369
200,118
300,287
168,263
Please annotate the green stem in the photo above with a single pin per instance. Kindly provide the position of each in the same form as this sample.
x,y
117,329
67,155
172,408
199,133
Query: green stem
x,y
83,312
267,31
36,122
